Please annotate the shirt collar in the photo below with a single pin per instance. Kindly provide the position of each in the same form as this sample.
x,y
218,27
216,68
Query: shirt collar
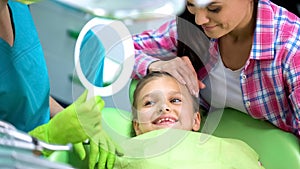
x,y
264,33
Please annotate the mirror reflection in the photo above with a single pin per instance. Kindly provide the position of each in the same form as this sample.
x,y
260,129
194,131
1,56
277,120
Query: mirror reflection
x,y
101,55
104,59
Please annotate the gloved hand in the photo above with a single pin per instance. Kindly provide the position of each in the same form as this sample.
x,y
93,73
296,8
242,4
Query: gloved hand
x,y
102,151
74,124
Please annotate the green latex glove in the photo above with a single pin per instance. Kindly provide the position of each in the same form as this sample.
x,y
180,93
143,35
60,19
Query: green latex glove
x,y
74,124
102,151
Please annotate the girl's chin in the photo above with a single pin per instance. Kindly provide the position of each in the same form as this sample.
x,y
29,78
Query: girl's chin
x,y
167,125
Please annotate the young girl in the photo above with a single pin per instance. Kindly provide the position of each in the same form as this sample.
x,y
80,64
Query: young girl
x,y
164,113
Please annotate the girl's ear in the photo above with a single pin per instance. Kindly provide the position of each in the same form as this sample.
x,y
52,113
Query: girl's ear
x,y
136,127
197,121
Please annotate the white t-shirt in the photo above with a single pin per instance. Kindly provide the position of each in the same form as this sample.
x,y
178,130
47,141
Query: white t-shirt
x,y
223,88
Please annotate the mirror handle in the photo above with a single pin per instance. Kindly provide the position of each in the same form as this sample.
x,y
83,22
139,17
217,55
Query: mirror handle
x,y
74,79
73,33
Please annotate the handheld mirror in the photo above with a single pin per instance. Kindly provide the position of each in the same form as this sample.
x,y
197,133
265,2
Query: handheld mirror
x,y
104,58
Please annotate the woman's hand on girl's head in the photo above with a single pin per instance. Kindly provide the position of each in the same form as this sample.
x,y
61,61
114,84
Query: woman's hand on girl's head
x,y
182,70
189,63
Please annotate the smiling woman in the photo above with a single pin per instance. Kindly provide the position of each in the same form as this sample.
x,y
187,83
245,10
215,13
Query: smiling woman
x,y
249,60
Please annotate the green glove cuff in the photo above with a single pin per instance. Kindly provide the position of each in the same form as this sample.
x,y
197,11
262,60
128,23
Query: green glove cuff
x,y
78,122
41,132
63,128
74,124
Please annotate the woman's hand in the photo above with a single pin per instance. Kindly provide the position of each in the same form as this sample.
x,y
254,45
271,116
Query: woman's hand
x,y
182,69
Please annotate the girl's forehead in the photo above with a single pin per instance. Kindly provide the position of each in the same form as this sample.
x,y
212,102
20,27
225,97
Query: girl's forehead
x,y
164,83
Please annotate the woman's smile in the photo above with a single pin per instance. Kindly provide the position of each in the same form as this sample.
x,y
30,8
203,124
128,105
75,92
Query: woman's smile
x,y
208,27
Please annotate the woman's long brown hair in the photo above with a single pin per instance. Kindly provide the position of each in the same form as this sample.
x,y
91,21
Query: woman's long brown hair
x,y
192,41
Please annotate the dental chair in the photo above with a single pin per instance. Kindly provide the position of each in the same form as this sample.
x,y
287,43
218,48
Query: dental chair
x,y
277,149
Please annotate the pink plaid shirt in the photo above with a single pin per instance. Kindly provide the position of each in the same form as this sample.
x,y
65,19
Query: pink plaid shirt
x,y
270,80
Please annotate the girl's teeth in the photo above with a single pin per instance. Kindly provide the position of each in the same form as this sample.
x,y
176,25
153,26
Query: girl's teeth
x,y
166,120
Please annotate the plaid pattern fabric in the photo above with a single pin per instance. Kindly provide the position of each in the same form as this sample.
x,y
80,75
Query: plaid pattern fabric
x,y
272,84
270,80
153,45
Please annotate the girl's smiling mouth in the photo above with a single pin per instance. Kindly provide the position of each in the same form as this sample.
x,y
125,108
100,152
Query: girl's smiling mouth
x,y
165,120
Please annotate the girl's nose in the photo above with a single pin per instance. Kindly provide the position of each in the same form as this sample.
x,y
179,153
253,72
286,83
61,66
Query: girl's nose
x,y
201,17
165,108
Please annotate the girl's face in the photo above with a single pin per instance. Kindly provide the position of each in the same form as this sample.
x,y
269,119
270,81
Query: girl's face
x,y
164,103
221,17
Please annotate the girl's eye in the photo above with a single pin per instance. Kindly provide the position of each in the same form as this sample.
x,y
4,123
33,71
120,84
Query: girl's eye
x,y
148,103
175,100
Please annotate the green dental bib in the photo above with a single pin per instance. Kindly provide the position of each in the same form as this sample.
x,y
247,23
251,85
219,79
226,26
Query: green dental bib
x,y
177,149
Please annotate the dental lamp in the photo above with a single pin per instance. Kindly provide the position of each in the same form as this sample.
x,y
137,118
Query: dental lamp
x,y
129,9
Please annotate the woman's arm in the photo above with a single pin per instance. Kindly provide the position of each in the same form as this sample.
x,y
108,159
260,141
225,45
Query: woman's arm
x,y
153,45
54,107
156,50
6,32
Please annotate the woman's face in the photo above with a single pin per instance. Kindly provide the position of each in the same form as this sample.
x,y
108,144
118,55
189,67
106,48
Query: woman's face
x,y
221,17
164,103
